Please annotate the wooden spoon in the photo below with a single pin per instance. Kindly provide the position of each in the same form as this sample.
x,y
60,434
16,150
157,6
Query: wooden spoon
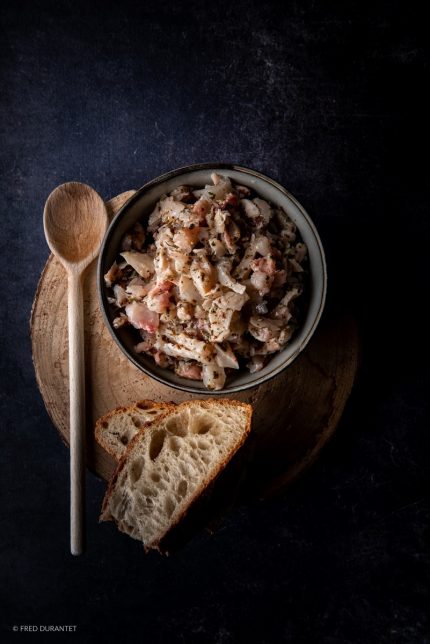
x,y
75,220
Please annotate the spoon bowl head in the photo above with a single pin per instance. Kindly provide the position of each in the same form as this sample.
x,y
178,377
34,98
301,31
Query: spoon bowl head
x,y
75,221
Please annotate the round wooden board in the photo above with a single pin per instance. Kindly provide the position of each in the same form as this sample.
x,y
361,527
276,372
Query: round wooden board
x,y
294,414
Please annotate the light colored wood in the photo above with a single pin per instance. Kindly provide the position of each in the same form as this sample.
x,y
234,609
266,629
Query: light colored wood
x,y
75,325
294,414
75,220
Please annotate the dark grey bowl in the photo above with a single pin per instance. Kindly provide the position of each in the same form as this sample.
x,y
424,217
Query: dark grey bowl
x,y
141,205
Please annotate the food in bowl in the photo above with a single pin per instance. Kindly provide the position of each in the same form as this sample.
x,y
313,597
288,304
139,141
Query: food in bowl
x,y
212,282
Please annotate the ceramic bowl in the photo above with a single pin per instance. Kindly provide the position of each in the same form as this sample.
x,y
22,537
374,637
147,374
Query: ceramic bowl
x,y
141,205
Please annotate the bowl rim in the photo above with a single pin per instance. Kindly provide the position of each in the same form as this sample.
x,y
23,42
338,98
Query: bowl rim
x,y
171,175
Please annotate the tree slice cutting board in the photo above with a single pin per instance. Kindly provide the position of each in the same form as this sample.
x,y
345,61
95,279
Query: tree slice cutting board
x,y
294,414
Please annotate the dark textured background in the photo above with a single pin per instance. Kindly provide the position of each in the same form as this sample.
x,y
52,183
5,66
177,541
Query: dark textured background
x,y
328,98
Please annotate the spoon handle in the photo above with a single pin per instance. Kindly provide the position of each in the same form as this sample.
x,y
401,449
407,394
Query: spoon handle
x,y
77,412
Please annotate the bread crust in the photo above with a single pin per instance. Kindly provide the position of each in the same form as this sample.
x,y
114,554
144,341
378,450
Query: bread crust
x,y
207,404
141,405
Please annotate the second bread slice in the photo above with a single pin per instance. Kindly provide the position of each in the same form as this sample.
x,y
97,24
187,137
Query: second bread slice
x,y
115,430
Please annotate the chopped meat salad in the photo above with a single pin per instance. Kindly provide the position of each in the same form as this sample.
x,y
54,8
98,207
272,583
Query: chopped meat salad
x,y
211,283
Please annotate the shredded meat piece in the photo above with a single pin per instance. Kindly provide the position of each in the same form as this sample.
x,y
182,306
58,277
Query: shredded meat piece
x,y
202,207
265,265
182,193
121,298
158,299
120,321
231,201
161,359
141,317
190,370
262,282
147,344
113,274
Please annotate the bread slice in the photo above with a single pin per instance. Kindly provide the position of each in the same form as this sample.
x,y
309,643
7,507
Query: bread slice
x,y
115,430
170,462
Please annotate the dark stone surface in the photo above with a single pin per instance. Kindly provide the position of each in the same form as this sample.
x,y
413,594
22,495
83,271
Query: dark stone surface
x,y
328,98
